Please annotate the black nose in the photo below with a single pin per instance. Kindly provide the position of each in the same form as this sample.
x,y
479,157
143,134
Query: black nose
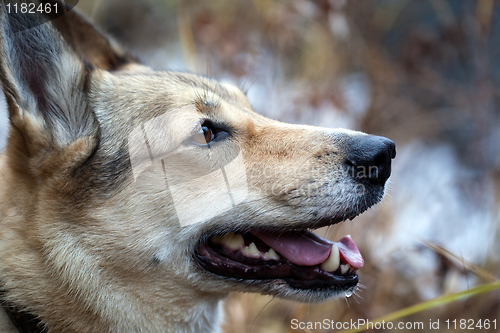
x,y
369,158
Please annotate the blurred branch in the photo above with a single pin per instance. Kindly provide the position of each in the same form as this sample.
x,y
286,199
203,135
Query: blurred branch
x,y
95,7
444,12
386,16
487,276
262,6
484,14
186,37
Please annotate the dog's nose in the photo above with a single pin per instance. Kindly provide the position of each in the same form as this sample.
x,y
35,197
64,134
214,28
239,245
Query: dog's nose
x,y
369,158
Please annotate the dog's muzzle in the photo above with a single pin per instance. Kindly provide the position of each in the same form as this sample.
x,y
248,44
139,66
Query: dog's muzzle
x,y
299,257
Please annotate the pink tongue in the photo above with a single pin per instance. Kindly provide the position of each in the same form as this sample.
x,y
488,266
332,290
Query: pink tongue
x,y
349,251
305,248
300,248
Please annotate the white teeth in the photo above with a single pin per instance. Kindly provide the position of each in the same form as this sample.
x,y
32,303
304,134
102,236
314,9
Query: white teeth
x,y
333,261
231,240
271,254
235,242
344,268
251,251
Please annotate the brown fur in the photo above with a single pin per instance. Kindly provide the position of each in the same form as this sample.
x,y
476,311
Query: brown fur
x,y
86,248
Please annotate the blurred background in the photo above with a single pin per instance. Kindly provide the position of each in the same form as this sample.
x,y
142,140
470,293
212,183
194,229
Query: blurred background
x,y
425,73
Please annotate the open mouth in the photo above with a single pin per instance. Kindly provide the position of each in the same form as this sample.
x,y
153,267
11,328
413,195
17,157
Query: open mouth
x,y
301,258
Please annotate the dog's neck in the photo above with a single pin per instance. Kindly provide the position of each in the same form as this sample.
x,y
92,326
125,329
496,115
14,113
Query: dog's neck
x,y
204,318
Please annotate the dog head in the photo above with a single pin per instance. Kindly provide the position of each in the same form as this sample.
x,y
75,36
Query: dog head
x,y
147,181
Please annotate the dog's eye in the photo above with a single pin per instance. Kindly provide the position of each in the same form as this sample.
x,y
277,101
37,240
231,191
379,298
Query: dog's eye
x,y
210,132
204,136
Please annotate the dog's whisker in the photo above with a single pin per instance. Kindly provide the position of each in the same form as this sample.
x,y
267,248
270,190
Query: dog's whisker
x,y
260,311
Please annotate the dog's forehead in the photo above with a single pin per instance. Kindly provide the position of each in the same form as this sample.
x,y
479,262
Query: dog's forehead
x,y
149,94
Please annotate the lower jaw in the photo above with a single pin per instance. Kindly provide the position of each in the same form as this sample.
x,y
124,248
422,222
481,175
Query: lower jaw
x,y
297,277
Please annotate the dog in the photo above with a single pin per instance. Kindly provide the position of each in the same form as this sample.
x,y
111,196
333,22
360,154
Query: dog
x,y
134,200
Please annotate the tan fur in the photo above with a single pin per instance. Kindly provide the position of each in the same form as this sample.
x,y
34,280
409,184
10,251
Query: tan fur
x,y
89,249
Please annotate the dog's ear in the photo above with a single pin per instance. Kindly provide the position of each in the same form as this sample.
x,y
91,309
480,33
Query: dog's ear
x,y
45,84
87,40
